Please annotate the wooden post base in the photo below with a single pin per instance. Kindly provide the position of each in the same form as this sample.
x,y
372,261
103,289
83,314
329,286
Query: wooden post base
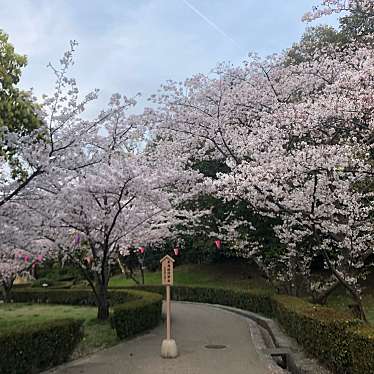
x,y
169,348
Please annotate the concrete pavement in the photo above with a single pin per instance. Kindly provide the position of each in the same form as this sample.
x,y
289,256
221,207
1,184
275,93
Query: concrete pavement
x,y
193,327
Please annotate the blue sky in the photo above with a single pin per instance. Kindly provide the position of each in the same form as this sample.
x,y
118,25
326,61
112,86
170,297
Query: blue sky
x,y
131,46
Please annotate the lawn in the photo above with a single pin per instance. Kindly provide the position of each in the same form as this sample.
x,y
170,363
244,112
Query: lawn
x,y
233,275
97,335
340,300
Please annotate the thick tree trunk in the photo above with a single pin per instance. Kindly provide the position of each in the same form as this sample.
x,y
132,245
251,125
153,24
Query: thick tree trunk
x,y
102,302
98,282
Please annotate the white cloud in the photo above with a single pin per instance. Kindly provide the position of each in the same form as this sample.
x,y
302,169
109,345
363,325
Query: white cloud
x,y
128,46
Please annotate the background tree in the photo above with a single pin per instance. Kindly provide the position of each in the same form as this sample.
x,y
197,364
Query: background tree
x,y
18,111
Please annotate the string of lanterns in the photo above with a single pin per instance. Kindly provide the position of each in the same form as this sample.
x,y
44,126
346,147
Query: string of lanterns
x,y
177,251
29,259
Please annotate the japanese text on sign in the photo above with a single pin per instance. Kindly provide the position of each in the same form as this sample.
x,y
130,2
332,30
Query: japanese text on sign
x,y
167,271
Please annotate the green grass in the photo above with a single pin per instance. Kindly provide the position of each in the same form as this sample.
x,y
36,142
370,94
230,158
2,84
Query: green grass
x,y
233,275
97,335
341,301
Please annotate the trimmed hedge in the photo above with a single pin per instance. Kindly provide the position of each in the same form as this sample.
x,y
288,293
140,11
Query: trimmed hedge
x,y
343,344
133,311
68,296
257,302
30,349
361,344
138,315
320,330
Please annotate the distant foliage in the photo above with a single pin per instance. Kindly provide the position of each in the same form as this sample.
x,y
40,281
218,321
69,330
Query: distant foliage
x,y
18,111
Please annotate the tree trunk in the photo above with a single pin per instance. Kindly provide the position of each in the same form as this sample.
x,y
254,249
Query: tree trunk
x,y
355,296
323,296
102,302
7,288
141,271
123,269
359,308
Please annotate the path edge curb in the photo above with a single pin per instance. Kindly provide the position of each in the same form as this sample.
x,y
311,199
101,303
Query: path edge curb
x,y
297,361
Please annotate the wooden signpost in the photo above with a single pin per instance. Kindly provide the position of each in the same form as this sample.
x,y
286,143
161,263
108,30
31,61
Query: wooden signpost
x,y
169,347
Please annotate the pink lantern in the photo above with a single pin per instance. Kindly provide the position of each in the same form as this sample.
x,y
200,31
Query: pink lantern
x,y
141,250
26,258
88,259
176,251
40,258
217,243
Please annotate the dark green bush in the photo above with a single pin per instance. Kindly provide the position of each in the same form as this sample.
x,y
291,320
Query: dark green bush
x,y
137,315
133,311
322,331
22,285
343,344
41,281
67,296
30,349
258,302
361,343
52,284
53,271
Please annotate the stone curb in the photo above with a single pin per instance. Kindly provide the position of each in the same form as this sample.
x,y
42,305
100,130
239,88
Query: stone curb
x,y
260,346
297,361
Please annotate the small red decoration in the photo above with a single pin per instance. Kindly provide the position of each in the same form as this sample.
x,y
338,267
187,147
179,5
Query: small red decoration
x,y
176,251
88,259
141,250
217,243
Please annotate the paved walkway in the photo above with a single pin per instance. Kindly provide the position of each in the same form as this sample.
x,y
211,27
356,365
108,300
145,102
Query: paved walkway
x,y
193,327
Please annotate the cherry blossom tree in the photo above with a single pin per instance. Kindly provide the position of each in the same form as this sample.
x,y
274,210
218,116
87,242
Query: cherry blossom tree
x,y
328,7
297,142
123,196
288,144
20,253
66,136
92,187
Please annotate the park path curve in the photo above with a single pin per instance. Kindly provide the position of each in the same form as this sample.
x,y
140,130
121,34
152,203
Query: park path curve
x,y
193,327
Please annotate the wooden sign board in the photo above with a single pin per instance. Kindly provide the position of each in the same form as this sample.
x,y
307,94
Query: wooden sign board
x,y
167,264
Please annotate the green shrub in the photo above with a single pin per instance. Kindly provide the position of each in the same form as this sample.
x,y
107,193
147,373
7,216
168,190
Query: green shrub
x,y
52,284
52,271
320,330
138,315
361,343
133,311
258,302
22,285
41,281
30,349
67,296
343,344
